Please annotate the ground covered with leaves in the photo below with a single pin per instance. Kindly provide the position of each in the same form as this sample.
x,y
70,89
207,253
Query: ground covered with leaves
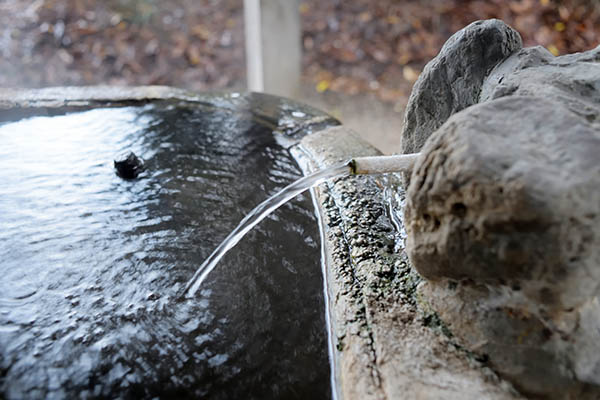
x,y
351,47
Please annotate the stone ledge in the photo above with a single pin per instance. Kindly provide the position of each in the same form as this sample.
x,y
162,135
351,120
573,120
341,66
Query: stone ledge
x,y
388,345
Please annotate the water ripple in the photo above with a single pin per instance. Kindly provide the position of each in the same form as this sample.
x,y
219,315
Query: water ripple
x,y
92,265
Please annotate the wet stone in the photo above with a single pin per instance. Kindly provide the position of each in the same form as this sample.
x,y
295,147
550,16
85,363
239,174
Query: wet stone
x,y
92,269
129,166
383,351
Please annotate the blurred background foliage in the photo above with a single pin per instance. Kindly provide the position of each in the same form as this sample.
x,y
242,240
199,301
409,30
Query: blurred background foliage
x,y
360,57
350,46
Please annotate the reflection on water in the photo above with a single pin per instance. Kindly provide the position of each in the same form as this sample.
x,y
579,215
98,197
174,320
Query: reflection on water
x,y
260,212
93,265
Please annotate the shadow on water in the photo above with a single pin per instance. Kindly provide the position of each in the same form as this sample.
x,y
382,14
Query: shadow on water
x,y
93,265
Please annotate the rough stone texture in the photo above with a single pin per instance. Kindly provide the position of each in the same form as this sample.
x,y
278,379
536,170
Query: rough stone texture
x,y
573,79
452,80
386,345
503,220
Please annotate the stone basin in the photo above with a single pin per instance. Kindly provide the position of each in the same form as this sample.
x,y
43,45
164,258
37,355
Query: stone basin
x,y
93,265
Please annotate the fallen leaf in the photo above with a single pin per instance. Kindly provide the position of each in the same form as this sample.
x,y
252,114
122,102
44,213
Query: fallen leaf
x,y
410,74
554,50
322,86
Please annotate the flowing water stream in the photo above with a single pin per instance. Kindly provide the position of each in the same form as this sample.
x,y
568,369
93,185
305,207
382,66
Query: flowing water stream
x,y
259,213
93,266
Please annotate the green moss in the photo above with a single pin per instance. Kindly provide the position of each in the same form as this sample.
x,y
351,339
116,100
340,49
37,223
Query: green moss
x,y
433,321
340,343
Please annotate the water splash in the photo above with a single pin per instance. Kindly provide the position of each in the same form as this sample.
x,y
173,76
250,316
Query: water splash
x,y
259,213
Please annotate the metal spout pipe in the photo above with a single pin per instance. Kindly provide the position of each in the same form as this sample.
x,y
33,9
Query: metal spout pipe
x,y
382,164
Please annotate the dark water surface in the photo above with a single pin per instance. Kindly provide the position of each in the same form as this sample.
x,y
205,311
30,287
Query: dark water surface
x,y
92,266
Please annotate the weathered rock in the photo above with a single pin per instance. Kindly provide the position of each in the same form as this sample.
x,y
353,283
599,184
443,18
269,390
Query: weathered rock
x,y
503,220
573,79
129,166
452,81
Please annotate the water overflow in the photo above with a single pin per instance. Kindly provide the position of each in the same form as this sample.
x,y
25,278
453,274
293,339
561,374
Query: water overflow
x,y
357,166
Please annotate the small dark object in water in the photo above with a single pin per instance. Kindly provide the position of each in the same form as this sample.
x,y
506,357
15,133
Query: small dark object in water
x,y
129,167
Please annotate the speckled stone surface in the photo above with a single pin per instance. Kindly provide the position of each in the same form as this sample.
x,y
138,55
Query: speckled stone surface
x,y
387,344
